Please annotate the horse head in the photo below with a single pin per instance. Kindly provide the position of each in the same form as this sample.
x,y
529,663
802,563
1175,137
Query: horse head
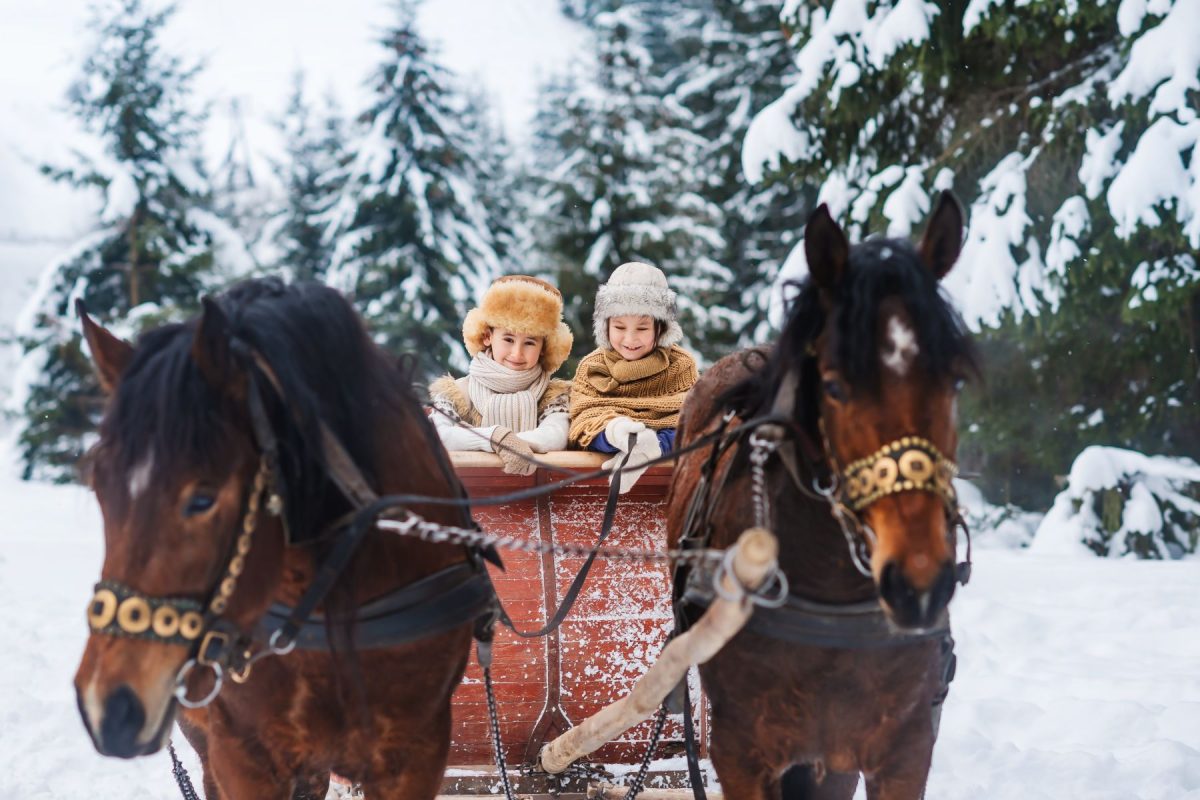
x,y
885,357
179,482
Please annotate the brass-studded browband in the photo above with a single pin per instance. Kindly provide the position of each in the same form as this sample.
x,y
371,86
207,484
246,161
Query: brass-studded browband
x,y
118,610
910,463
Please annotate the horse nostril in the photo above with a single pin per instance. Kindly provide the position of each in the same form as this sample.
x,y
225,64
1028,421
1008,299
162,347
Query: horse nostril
x,y
894,587
943,587
123,719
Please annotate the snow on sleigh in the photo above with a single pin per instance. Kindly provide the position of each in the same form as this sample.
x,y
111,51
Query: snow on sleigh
x,y
612,635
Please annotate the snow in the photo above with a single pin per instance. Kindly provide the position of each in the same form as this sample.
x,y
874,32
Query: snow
x,y
1153,176
1075,678
1074,528
984,282
1165,57
1143,174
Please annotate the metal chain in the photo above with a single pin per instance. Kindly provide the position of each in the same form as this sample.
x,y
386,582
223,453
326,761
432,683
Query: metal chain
x,y
494,721
761,452
639,780
181,775
411,524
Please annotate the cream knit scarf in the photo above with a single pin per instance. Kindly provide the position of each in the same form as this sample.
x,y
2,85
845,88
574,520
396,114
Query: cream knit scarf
x,y
505,396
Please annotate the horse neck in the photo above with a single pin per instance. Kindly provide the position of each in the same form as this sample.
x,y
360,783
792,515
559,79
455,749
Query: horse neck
x,y
412,462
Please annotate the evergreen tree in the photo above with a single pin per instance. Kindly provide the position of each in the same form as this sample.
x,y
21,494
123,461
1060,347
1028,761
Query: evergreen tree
x,y
415,246
240,195
158,243
735,59
498,184
310,174
617,178
1080,262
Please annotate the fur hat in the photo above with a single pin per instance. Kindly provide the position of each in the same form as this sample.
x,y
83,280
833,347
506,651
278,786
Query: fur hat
x,y
636,289
522,304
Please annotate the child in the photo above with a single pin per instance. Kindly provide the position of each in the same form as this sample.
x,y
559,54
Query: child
x,y
634,384
516,339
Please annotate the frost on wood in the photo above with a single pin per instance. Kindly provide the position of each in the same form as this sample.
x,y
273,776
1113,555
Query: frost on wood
x,y
1123,503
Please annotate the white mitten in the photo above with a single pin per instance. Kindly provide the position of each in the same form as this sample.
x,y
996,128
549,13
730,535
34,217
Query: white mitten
x,y
618,429
534,444
646,448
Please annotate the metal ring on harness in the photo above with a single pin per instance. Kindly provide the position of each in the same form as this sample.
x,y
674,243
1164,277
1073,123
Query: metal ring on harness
x,y
181,684
778,580
759,596
273,643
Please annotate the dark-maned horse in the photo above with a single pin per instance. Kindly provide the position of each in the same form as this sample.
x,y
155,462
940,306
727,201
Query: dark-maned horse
x,y
180,471
843,680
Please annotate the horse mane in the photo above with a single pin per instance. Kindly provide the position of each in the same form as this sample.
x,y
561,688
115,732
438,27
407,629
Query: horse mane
x,y
878,269
328,370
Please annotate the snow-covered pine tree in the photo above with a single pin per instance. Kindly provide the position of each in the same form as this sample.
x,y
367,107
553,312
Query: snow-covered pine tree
x,y
414,244
1070,129
498,184
241,195
158,245
615,169
311,176
736,60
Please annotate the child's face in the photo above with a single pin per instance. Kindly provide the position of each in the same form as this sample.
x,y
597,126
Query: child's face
x,y
632,336
518,351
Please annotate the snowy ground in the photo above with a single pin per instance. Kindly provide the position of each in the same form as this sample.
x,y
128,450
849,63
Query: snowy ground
x,y
1078,677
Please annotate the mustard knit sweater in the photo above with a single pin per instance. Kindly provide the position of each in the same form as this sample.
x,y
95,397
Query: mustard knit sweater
x,y
649,390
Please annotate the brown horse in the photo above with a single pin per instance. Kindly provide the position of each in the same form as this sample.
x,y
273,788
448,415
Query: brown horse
x,y
844,678
210,425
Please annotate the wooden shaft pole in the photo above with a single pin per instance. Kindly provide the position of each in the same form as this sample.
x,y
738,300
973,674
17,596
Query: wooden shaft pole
x,y
605,791
753,561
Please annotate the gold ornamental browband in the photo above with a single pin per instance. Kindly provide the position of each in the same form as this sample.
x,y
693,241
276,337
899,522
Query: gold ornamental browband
x,y
118,610
908,464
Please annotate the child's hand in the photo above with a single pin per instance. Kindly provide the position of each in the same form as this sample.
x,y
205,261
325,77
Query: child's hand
x,y
619,429
536,447
645,448
514,452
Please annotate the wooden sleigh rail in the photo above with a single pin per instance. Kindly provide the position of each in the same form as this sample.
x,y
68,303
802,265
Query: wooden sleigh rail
x,y
575,460
753,561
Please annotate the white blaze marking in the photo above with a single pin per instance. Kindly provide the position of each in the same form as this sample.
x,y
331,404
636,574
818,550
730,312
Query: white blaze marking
x,y
139,476
92,706
902,347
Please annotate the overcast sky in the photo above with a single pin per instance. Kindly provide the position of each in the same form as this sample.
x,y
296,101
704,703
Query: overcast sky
x,y
251,49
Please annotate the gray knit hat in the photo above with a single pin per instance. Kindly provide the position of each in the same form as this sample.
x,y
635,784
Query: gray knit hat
x,y
636,289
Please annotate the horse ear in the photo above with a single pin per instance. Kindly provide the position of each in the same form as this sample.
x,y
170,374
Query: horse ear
x,y
826,249
942,241
210,346
110,354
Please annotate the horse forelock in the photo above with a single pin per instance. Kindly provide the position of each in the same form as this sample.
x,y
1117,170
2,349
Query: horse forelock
x,y
163,414
166,413
879,270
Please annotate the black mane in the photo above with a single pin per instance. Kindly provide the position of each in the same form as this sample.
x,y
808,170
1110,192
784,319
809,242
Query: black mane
x,y
878,269
327,367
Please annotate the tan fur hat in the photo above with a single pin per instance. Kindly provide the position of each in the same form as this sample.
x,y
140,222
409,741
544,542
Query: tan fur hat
x,y
522,304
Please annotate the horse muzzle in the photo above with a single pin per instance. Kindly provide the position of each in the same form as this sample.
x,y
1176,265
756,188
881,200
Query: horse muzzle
x,y
125,693
910,607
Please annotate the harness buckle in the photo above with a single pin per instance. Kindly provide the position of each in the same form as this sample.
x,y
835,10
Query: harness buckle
x,y
212,647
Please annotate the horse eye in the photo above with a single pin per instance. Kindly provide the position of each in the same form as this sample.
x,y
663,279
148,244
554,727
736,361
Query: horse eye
x,y
833,389
199,503
959,383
